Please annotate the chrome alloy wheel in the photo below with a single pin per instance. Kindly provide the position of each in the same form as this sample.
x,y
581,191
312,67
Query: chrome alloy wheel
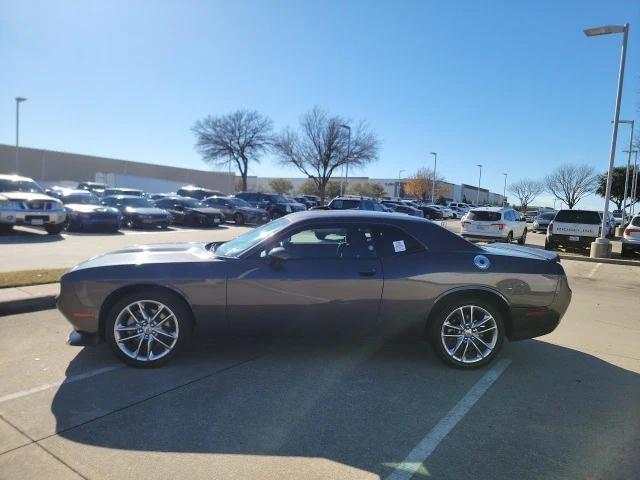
x,y
469,334
146,330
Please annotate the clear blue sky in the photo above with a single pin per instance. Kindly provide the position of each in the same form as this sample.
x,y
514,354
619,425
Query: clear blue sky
x,y
514,85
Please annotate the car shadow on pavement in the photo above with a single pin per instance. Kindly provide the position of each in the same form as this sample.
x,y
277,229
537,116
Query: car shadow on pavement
x,y
28,236
359,404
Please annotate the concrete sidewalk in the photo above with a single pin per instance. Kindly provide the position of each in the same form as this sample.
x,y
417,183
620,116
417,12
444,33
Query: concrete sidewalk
x,y
23,299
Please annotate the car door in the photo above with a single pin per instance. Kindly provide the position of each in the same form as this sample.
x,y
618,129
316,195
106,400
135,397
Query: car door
x,y
331,280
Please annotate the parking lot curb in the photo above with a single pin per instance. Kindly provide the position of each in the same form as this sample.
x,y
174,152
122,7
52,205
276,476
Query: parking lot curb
x,y
28,299
612,261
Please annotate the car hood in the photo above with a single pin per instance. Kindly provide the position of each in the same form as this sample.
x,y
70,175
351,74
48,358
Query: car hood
x,y
149,254
85,208
203,210
520,251
145,210
26,196
259,211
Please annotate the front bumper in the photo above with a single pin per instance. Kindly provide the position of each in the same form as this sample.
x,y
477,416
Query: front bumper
x,y
32,217
530,322
150,222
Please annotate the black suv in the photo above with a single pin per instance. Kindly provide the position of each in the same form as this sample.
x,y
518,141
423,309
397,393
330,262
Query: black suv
x,y
353,203
276,205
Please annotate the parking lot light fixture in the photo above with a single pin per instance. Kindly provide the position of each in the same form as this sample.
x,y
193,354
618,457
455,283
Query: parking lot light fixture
x,y
19,100
504,191
602,247
346,175
433,184
399,183
626,177
479,180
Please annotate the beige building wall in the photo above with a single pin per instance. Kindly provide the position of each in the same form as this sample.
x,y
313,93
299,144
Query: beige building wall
x,y
51,166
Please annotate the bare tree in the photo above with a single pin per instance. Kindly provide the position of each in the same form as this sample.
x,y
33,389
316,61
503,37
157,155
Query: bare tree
x,y
322,145
281,185
571,183
240,137
526,191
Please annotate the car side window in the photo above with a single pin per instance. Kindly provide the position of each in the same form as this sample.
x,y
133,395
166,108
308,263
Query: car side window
x,y
324,242
392,242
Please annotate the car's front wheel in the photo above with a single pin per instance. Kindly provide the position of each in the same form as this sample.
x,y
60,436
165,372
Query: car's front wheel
x,y
523,239
54,229
148,328
238,218
467,333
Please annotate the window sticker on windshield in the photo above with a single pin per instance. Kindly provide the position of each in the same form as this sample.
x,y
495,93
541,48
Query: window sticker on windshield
x,y
398,246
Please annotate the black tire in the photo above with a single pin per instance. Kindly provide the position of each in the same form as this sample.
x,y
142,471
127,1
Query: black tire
x,y
129,223
523,239
625,252
54,229
438,318
238,218
549,245
509,238
5,228
170,300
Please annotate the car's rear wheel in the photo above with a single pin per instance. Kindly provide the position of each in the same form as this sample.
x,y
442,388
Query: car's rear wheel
x,y
6,228
467,333
148,328
625,252
129,223
523,239
509,237
238,218
549,245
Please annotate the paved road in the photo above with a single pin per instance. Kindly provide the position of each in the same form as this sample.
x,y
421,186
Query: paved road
x,y
30,248
564,406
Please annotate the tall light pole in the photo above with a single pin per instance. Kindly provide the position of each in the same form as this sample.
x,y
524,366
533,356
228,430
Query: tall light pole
x,y
626,177
346,175
602,247
634,183
504,191
479,180
399,183
19,100
433,185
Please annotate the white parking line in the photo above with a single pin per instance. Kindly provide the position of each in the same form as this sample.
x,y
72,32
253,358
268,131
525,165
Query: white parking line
x,y
594,270
72,379
416,458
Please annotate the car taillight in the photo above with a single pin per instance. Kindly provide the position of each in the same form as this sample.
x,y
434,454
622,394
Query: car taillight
x,y
629,231
499,225
550,228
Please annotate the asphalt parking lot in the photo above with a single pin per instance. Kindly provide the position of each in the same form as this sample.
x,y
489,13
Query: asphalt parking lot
x,y
563,406
32,248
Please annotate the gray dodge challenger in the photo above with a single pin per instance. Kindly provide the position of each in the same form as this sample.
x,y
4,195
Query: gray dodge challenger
x,y
318,272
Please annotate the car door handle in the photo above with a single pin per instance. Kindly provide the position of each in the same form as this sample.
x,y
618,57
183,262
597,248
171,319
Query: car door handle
x,y
367,273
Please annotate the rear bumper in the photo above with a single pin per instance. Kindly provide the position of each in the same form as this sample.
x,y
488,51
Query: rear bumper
x,y
531,322
565,240
478,237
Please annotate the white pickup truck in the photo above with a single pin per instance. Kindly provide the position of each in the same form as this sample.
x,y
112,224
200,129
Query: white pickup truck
x,y
573,228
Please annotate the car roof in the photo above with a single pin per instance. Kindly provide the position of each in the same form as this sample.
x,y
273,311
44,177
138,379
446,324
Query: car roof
x,y
66,192
15,178
491,209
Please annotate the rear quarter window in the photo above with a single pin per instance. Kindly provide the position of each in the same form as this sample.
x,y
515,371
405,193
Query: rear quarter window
x,y
635,222
483,216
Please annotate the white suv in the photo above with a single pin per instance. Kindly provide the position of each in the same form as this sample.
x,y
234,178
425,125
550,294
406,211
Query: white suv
x,y
494,223
631,237
23,202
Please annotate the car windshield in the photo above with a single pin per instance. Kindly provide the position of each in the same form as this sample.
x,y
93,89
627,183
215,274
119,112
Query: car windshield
x,y
238,202
588,217
636,221
548,216
483,216
244,242
136,202
20,186
82,199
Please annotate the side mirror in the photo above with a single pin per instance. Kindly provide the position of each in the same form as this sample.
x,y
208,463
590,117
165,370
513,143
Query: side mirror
x,y
278,254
